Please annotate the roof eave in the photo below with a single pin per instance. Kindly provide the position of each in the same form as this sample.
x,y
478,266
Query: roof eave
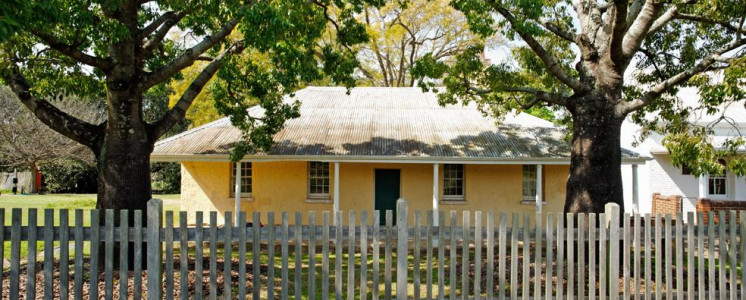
x,y
378,159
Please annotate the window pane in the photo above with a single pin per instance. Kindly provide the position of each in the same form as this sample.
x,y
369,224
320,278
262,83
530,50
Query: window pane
x,y
453,180
318,178
529,182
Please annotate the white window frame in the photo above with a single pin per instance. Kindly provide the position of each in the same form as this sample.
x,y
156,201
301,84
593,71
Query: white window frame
x,y
245,166
713,179
311,176
526,178
446,173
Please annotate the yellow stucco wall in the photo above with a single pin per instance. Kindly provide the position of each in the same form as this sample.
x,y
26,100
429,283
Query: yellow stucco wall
x,y
282,186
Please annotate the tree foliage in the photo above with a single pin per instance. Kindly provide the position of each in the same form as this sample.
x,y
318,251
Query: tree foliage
x,y
120,51
401,33
602,61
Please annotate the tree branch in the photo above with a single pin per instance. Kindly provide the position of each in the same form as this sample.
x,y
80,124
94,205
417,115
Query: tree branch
x,y
619,27
702,19
542,53
147,30
544,96
639,29
69,126
681,77
177,113
162,29
189,56
566,35
68,50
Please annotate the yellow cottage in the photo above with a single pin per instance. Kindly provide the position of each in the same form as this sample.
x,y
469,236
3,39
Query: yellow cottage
x,y
365,150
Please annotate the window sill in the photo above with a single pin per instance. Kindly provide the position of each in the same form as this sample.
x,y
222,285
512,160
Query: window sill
x,y
532,202
319,200
243,199
461,201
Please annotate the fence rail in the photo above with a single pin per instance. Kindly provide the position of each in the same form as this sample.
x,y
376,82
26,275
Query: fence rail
x,y
474,255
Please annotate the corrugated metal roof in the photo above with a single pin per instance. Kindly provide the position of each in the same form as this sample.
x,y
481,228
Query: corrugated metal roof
x,y
385,122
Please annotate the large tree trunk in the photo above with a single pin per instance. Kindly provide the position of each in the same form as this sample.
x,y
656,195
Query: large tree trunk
x,y
595,163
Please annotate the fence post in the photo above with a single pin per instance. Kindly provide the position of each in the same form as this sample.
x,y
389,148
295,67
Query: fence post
x,y
154,263
401,249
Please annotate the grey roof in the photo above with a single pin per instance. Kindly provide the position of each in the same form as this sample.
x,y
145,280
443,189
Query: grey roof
x,y
384,123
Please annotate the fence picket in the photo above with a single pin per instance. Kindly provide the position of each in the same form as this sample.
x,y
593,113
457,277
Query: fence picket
x,y
441,254
48,252
241,255
338,245
78,259
183,257
256,279
15,251
376,276
742,221
636,256
711,254
124,217
453,280
2,249
168,237
526,259
299,253
625,257
478,253
550,256
227,249
271,256
325,257
691,246
592,264
538,244
109,254
351,256
570,256
213,240
679,257
648,262
429,254
387,255
701,254
31,255
602,239
363,255
465,256
137,267
155,254
94,264
490,286
668,256
560,255
733,286
311,255
581,256
722,254
503,241
416,259
613,254
198,255
64,252
285,252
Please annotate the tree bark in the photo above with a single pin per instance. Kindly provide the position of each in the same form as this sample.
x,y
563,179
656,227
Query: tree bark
x,y
596,157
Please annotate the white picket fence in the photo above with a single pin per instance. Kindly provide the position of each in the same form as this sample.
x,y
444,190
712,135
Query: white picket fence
x,y
496,256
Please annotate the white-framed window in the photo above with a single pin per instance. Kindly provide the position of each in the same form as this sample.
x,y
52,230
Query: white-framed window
x,y
717,183
246,176
529,182
453,182
318,180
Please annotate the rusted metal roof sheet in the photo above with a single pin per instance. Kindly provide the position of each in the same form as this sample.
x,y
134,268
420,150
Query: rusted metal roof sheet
x,y
384,122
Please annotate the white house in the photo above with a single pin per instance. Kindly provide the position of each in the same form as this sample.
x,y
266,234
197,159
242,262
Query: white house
x,y
659,175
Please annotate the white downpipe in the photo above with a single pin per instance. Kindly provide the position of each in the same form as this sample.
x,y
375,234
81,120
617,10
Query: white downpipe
x,y
436,191
336,191
635,189
237,204
539,188
703,186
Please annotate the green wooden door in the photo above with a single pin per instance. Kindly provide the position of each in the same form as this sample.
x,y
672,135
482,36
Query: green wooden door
x,y
387,188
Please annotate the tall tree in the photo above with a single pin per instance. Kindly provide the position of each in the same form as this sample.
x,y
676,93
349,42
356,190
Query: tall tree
x,y
119,50
402,32
601,60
